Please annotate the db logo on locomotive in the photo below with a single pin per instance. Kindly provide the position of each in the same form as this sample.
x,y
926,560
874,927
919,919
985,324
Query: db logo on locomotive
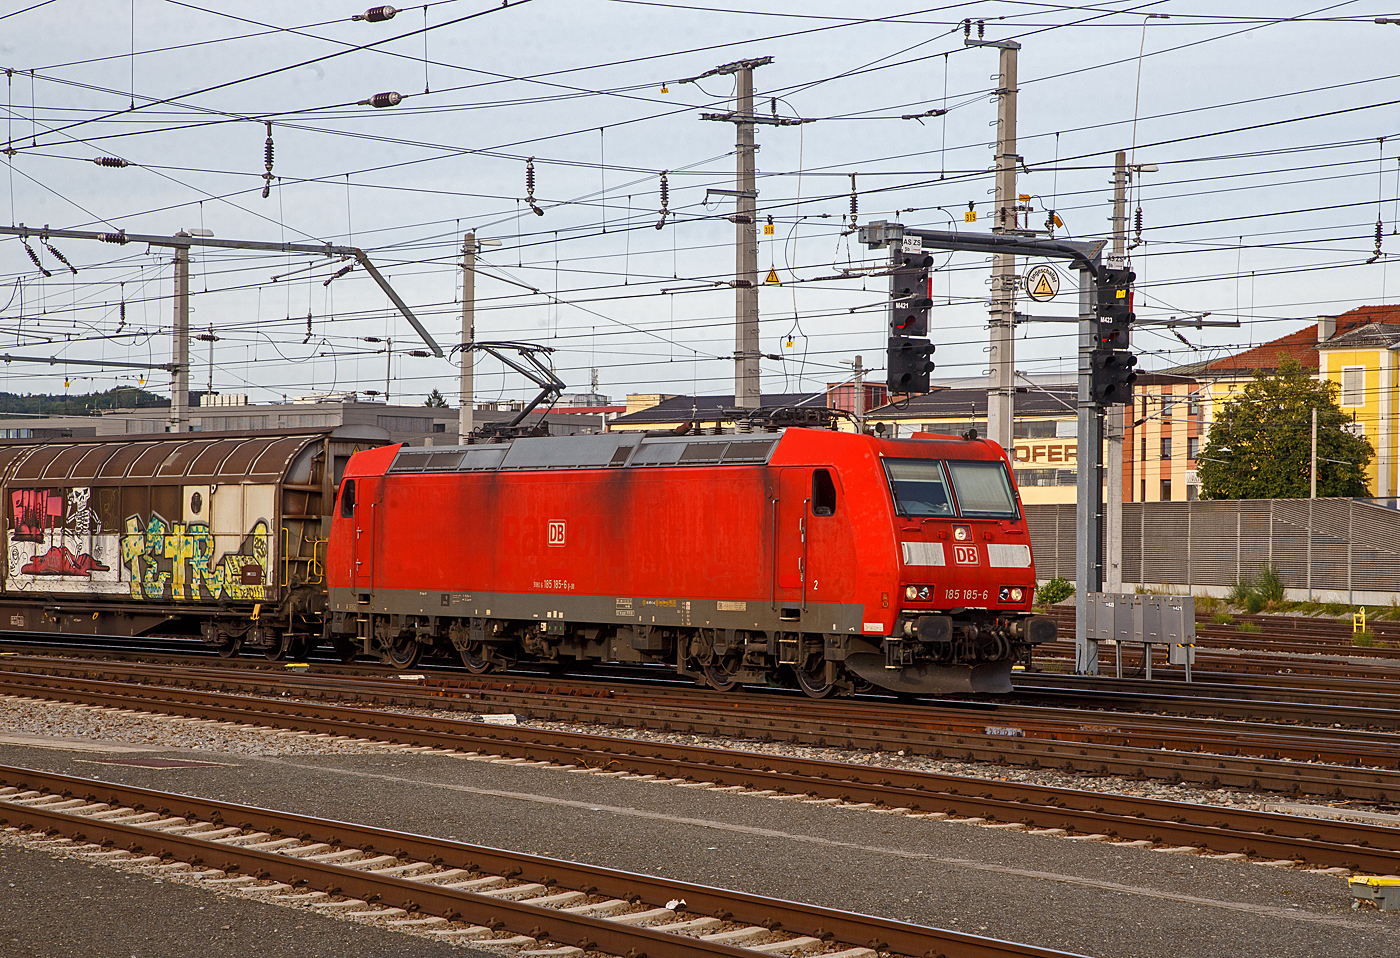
x,y
965,555
556,532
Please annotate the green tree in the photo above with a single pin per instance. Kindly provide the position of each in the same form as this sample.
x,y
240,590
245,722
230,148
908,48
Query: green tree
x,y
1260,446
436,400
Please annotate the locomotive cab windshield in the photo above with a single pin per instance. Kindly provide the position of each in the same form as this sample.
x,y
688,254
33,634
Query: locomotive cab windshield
x,y
984,491
919,487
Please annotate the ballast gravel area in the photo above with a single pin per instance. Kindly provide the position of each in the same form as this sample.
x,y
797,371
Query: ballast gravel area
x,y
63,721
1107,784
119,908
1096,898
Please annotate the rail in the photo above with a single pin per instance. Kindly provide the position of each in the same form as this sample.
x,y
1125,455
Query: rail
x,y
1352,845
36,799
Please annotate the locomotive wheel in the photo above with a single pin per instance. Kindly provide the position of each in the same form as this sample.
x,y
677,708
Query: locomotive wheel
x,y
403,651
813,680
344,649
721,680
474,658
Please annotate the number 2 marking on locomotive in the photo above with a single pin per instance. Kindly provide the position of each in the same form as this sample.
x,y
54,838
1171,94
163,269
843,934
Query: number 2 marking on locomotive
x,y
556,532
965,555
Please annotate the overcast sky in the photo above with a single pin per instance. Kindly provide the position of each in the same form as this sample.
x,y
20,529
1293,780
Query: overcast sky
x,y
1267,135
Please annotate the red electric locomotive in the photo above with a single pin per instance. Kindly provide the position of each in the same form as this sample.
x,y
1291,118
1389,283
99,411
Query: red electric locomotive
x,y
838,559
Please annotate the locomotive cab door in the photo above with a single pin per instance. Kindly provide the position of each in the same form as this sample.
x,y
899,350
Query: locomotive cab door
x,y
790,542
364,507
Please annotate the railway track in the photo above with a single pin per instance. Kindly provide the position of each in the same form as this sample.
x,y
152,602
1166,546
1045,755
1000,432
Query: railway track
x,y
1276,634
453,890
1282,699
1311,841
1339,763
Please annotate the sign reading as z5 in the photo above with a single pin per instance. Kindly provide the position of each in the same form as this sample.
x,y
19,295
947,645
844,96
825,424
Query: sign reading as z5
x,y
965,555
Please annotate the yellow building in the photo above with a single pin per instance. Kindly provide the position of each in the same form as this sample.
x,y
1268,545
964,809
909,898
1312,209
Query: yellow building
x,y
1364,364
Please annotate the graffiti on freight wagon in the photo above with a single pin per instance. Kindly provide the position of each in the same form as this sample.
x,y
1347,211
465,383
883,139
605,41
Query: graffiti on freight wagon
x,y
175,560
58,541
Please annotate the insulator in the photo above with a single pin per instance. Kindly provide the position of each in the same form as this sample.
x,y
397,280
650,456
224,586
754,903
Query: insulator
x,y
121,312
113,161
61,258
118,238
35,257
380,100
338,273
967,28
376,14
308,328
1380,231
981,28
267,162
1137,223
530,187
665,200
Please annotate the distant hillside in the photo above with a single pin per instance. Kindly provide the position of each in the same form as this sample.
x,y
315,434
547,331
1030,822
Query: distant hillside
x,y
80,404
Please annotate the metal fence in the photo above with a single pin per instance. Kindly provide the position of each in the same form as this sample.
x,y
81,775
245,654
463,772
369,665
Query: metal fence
x,y
1335,550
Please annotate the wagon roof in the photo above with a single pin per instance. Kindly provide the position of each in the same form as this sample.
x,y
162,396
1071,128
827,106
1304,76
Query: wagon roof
x,y
206,457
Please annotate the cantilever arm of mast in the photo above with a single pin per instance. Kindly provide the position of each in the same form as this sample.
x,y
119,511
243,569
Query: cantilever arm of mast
x,y
315,249
1085,254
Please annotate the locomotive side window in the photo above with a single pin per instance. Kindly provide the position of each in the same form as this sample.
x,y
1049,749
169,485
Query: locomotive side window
x,y
983,489
918,487
823,493
347,499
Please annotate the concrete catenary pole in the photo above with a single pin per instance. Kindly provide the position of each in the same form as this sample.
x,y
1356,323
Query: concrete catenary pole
x,y
1001,357
467,387
747,388
180,346
1116,416
747,385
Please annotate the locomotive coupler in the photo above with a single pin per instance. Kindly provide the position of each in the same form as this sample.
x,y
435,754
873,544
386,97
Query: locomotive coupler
x,y
899,653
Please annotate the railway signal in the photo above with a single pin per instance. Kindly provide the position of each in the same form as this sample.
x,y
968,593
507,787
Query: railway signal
x,y
1112,372
909,294
1113,304
1112,376
908,364
907,358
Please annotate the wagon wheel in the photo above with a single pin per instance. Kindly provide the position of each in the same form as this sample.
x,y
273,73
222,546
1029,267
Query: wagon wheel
x,y
812,679
229,647
403,651
474,658
277,651
721,676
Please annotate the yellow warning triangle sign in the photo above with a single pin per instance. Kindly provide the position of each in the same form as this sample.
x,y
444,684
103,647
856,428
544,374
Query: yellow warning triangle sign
x,y
772,276
1043,287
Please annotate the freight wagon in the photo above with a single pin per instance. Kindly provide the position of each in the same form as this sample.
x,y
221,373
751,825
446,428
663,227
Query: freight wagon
x,y
215,535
